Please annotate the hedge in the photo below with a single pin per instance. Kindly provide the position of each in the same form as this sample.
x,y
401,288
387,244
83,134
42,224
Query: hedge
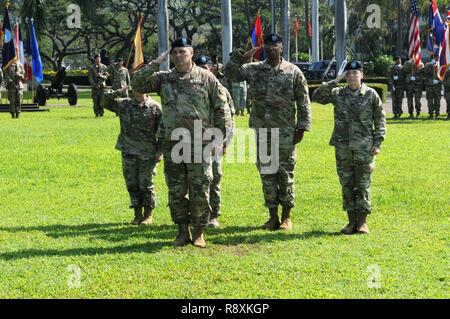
x,y
382,89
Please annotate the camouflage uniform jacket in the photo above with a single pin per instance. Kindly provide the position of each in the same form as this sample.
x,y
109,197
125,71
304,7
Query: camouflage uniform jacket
x,y
430,76
410,70
185,98
396,71
119,77
278,93
359,118
98,75
138,124
446,81
14,76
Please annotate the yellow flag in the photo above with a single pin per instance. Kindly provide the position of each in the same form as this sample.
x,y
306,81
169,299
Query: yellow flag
x,y
138,53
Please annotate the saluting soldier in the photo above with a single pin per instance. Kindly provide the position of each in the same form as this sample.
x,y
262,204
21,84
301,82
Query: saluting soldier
x,y
191,97
359,130
140,117
280,104
98,73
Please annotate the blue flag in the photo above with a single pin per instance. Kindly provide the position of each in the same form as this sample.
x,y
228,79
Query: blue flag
x,y
36,57
9,50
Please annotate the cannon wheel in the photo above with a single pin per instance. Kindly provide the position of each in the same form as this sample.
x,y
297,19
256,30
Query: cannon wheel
x,y
72,94
41,95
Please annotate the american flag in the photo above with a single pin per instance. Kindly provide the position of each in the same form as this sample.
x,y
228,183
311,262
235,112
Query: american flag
x,y
414,37
444,54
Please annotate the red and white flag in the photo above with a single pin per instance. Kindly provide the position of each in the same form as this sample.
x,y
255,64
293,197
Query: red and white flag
x,y
414,34
444,52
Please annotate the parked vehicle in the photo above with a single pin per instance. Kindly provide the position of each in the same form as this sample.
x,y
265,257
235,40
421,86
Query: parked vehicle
x,y
321,70
303,66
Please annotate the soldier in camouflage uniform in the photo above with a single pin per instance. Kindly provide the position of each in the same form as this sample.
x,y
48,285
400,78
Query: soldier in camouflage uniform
x,y
280,93
191,97
98,73
239,93
433,88
446,84
140,117
359,130
214,190
413,75
120,77
14,76
397,83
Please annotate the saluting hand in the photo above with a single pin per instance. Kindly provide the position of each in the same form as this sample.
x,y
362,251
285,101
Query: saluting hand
x,y
163,56
250,53
340,77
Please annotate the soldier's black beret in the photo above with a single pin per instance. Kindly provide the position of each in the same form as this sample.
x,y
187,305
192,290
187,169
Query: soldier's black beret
x,y
354,65
119,60
181,42
273,38
202,60
96,56
397,58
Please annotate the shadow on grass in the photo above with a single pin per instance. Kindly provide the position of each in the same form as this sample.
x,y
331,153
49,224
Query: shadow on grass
x,y
114,232
239,235
164,234
406,120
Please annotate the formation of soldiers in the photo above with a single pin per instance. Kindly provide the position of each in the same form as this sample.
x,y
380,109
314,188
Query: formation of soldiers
x,y
192,94
413,79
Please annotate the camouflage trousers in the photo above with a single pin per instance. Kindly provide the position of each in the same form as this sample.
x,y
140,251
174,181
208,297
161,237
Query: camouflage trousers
x,y
188,185
15,100
354,169
278,185
138,172
447,99
214,189
413,95
397,99
434,99
97,95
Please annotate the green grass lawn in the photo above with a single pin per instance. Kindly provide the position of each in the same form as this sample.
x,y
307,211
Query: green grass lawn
x,y
64,205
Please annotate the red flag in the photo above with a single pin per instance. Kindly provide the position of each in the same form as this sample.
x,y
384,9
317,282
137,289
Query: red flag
x,y
414,37
257,38
309,28
296,27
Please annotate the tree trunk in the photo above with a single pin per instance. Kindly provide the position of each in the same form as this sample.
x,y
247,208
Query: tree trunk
x,y
315,30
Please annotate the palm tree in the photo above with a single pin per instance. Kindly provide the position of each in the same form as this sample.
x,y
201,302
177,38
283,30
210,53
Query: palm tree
x,y
35,9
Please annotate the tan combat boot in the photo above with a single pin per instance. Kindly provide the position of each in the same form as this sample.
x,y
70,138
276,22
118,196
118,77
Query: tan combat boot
x,y
183,237
273,223
361,225
137,216
350,229
147,220
197,236
286,223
